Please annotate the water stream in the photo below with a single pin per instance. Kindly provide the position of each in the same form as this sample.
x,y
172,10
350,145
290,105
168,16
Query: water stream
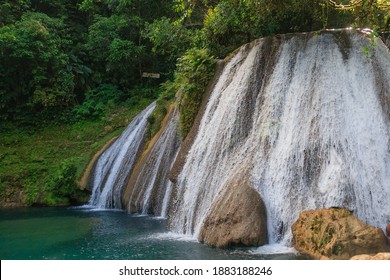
x,y
114,165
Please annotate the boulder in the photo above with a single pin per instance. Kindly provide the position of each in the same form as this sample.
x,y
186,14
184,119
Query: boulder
x,y
379,256
336,234
238,217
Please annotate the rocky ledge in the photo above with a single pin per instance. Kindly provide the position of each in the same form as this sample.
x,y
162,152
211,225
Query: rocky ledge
x,y
336,234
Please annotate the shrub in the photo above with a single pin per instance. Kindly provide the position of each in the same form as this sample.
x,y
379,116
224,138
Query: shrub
x,y
194,71
97,100
63,183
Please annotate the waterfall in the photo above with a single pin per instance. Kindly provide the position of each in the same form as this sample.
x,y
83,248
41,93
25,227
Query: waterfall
x,y
115,163
305,118
149,187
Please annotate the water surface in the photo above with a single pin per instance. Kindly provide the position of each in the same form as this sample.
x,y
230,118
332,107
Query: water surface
x,y
87,234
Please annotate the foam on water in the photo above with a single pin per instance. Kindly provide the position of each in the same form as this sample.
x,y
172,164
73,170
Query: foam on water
x,y
173,236
274,249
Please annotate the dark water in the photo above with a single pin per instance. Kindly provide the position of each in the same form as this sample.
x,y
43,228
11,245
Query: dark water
x,y
82,234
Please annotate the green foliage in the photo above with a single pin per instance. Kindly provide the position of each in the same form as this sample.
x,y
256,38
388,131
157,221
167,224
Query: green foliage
x,y
165,99
366,13
57,189
369,50
169,39
113,44
230,24
63,182
327,236
12,10
337,249
115,6
194,71
31,192
79,64
29,159
97,101
105,29
34,73
105,98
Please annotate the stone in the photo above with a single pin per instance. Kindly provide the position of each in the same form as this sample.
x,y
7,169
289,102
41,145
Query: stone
x,y
388,230
379,256
238,217
336,234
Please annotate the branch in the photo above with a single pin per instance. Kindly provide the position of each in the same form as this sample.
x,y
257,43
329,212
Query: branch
x,y
336,6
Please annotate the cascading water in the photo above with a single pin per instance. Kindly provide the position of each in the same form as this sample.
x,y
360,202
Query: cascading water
x,y
115,163
306,119
150,189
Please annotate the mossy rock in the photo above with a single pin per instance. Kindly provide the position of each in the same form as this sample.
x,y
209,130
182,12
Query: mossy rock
x,y
336,234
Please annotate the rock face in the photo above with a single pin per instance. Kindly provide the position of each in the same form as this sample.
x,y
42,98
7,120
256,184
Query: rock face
x,y
237,218
335,234
379,256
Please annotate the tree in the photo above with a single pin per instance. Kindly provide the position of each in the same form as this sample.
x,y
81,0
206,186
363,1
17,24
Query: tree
x,y
34,72
12,10
170,40
113,46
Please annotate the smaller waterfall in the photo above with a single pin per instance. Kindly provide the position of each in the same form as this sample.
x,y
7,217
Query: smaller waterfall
x,y
114,165
149,188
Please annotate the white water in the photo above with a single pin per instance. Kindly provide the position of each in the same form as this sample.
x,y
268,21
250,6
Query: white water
x,y
114,165
274,249
307,119
152,189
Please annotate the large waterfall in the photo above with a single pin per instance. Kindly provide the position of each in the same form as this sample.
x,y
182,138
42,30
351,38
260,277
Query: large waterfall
x,y
115,163
305,118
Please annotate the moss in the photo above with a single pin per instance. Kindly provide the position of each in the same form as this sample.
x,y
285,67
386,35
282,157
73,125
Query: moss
x,y
231,55
327,237
316,224
337,249
194,72
156,118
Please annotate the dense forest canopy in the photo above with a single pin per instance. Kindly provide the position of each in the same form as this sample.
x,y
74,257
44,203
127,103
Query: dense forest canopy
x,y
72,72
58,56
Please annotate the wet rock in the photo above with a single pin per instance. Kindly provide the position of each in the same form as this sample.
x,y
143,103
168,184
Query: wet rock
x,y
336,234
388,230
238,217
